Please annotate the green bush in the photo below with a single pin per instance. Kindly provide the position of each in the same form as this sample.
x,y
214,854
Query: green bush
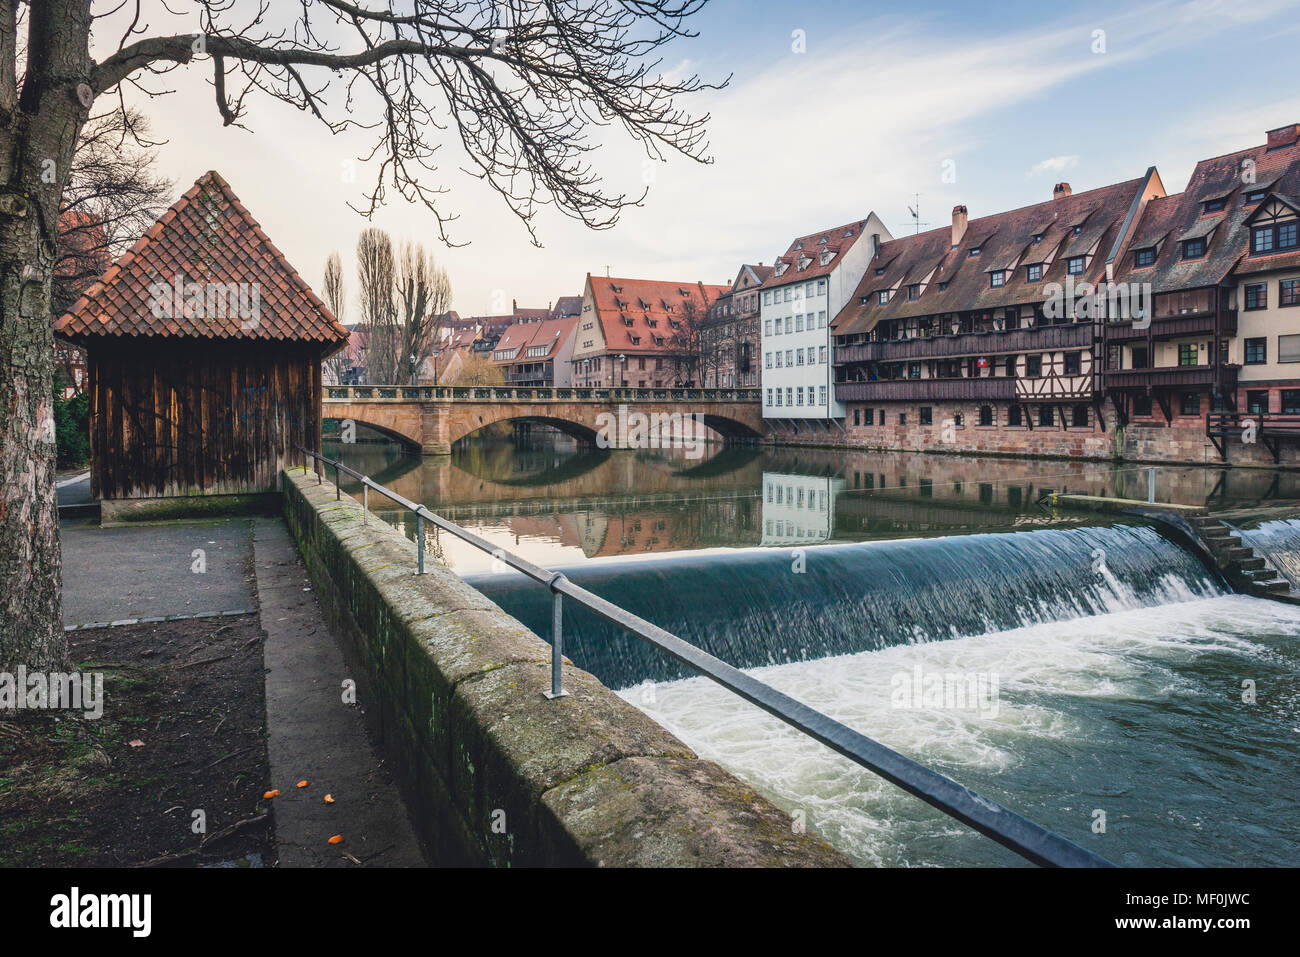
x,y
71,427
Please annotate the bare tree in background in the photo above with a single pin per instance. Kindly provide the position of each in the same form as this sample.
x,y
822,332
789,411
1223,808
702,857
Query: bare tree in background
x,y
113,195
424,292
478,370
334,293
517,87
377,290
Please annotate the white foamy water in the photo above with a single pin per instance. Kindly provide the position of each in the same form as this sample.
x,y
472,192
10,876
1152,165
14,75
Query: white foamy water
x,y
1136,713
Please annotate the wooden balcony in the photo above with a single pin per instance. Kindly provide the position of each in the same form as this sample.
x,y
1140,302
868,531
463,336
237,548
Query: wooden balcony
x,y
1172,327
922,390
1165,377
1077,335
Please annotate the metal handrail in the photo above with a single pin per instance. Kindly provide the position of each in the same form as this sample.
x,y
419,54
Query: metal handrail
x,y
1014,832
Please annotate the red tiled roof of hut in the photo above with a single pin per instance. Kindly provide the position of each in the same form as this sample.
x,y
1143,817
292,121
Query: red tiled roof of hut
x,y
208,237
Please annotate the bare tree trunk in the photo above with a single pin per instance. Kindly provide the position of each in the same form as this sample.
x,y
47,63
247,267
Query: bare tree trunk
x,y
37,139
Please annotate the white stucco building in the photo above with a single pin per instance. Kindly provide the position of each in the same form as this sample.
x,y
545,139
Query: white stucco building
x,y
809,284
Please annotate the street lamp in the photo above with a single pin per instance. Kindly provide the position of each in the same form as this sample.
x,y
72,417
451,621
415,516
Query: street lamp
x,y
623,373
412,368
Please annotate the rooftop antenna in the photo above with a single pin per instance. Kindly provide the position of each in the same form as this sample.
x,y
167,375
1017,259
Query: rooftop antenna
x,y
916,214
607,271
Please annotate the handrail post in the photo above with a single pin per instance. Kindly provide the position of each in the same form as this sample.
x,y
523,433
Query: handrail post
x,y
419,543
365,499
338,482
1151,486
557,641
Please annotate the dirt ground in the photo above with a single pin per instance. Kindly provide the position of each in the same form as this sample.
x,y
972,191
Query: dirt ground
x,y
183,730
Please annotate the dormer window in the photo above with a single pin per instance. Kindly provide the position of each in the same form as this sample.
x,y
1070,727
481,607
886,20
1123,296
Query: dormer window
x,y
1144,257
880,271
822,241
1272,238
914,291
1256,196
826,256
803,263
943,285
974,251
1194,248
1078,229
997,278
1074,266
1214,205
848,233
883,296
1034,272
1038,238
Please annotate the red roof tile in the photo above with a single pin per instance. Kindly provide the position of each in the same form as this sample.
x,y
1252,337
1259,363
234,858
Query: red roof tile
x,y
627,308
204,269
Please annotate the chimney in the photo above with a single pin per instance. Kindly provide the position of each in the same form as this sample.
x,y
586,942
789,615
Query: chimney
x,y
958,225
875,243
1283,136
1061,190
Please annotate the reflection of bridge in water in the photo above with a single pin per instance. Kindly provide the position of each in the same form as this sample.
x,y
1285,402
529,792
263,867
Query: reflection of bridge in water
x,y
627,502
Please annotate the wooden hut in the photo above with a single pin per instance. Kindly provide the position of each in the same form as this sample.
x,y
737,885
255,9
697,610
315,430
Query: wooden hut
x,y
204,362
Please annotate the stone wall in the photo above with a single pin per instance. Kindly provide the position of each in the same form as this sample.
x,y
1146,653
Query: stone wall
x,y
494,773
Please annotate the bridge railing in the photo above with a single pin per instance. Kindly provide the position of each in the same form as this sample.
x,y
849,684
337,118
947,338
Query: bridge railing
x,y
1017,833
452,393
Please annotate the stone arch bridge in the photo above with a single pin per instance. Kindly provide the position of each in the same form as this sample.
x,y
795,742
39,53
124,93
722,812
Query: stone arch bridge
x,y
433,418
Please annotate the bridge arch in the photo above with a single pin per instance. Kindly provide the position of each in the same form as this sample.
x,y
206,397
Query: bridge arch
x,y
577,430
390,421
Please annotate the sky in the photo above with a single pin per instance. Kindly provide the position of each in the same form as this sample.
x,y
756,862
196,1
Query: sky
x,y
834,109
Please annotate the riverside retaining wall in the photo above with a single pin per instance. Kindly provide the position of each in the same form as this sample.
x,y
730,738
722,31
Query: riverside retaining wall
x,y
493,772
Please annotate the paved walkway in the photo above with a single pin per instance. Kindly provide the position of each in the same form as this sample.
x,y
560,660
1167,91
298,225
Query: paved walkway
x,y
314,736
139,572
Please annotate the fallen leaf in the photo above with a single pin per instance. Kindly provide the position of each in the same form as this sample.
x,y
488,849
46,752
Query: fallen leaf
x,y
303,783
270,794
136,743
336,839
329,799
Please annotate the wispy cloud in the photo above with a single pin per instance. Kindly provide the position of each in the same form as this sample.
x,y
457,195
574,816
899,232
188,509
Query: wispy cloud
x,y
1053,164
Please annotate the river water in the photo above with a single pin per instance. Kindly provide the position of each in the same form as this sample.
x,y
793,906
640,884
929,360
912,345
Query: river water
x,y
1089,674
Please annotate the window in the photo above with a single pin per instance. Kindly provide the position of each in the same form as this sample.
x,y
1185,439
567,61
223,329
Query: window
x,y
1045,415
1256,351
1033,366
1187,354
1074,265
767,362
1034,272
986,415
1194,248
1288,348
927,415
822,355
778,397
808,291
1288,292
1144,257
798,357
769,397
914,370
1214,205
958,419
997,278
821,395
1190,404
821,286
788,294
767,298
1274,238
871,417
1257,295
789,321
821,319
1142,405
1072,363
798,395
789,395
1256,197
1079,415
1291,401
779,355
798,323
1257,401
857,416
883,296
789,358
974,251
1014,416
902,418
914,291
